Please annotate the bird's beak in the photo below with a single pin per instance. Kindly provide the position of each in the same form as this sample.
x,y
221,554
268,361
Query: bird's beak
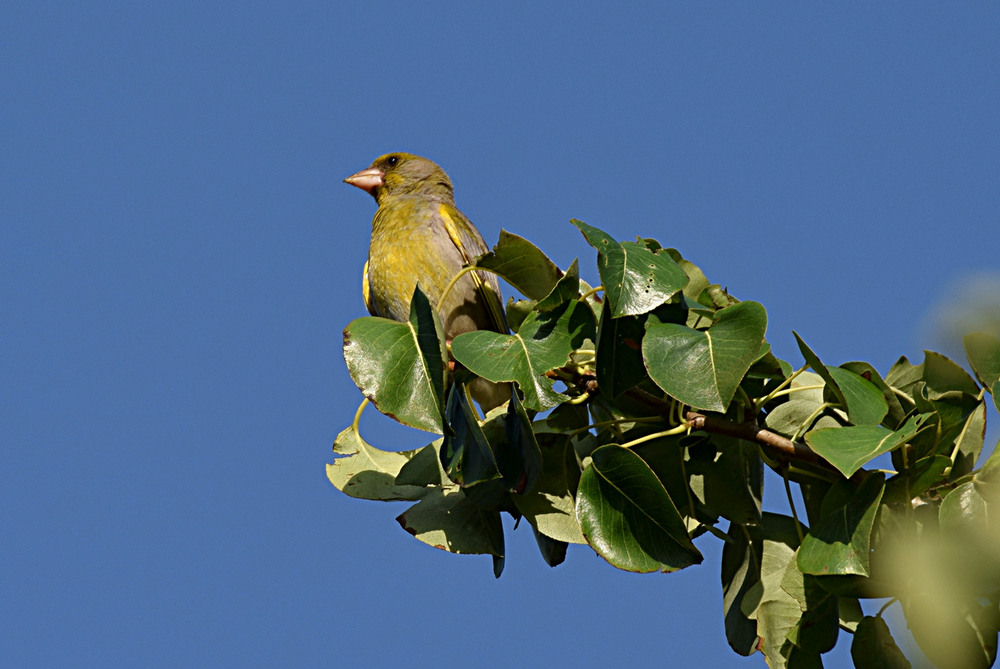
x,y
367,180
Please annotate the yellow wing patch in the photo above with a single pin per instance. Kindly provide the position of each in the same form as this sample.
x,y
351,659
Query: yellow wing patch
x,y
365,291
485,290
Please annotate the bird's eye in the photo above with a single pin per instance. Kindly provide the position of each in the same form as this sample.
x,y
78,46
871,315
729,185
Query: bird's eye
x,y
391,160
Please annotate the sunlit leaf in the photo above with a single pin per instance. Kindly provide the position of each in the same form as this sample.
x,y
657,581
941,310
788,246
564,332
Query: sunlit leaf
x,y
367,472
635,279
839,543
983,351
628,517
521,264
703,369
542,343
400,366
445,518
849,448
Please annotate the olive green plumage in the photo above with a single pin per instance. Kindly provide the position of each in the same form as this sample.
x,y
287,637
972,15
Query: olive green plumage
x,y
420,236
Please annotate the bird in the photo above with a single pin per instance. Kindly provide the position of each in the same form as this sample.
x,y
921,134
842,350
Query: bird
x,y
419,236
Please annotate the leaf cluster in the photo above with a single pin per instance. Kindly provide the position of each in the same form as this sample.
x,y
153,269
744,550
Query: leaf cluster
x,y
642,422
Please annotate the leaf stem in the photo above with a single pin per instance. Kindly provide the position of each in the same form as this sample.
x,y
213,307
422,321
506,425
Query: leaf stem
x,y
451,284
592,291
357,417
781,386
791,503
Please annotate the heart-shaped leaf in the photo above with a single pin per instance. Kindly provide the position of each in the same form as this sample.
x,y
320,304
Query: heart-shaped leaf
x,y
521,264
849,448
367,472
839,543
635,279
628,517
400,366
542,343
703,369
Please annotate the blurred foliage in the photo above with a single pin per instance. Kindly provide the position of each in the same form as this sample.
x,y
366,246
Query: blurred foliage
x,y
643,421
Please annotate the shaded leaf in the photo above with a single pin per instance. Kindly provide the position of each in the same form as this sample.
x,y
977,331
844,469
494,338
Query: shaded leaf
x,y
983,351
518,455
896,414
874,648
969,442
740,572
628,517
552,550
788,418
943,375
521,264
849,448
635,279
542,343
367,472
840,542
400,366
703,369
567,288
865,402
465,453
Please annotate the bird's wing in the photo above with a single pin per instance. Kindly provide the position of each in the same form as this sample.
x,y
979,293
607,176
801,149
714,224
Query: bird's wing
x,y
366,291
470,244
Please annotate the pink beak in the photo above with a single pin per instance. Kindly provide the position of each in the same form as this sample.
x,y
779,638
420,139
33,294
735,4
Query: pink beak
x,y
367,180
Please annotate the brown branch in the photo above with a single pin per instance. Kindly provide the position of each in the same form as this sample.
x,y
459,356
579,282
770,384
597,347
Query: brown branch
x,y
750,432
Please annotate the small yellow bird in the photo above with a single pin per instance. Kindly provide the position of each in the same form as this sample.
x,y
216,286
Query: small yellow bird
x,y
420,236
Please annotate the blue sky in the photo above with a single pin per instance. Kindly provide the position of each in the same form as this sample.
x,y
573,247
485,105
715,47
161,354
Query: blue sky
x,y
179,258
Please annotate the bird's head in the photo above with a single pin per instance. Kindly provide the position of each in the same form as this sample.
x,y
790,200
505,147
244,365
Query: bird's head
x,y
402,174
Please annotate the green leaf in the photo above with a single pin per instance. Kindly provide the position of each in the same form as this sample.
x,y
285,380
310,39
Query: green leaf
x,y
874,648
628,517
619,352
399,366
542,343
552,550
943,375
550,507
788,418
983,351
465,453
776,612
635,279
445,518
896,414
518,455
862,400
703,369
840,542
965,509
969,442
730,483
367,472
865,403
740,572
817,630
849,448
567,288
521,264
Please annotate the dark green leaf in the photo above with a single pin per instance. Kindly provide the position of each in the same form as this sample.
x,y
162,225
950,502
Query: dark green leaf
x,y
542,343
628,517
619,352
740,572
399,366
552,550
839,543
730,484
635,279
874,648
518,455
849,448
983,351
969,442
788,418
367,472
465,453
817,630
567,288
521,264
703,369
